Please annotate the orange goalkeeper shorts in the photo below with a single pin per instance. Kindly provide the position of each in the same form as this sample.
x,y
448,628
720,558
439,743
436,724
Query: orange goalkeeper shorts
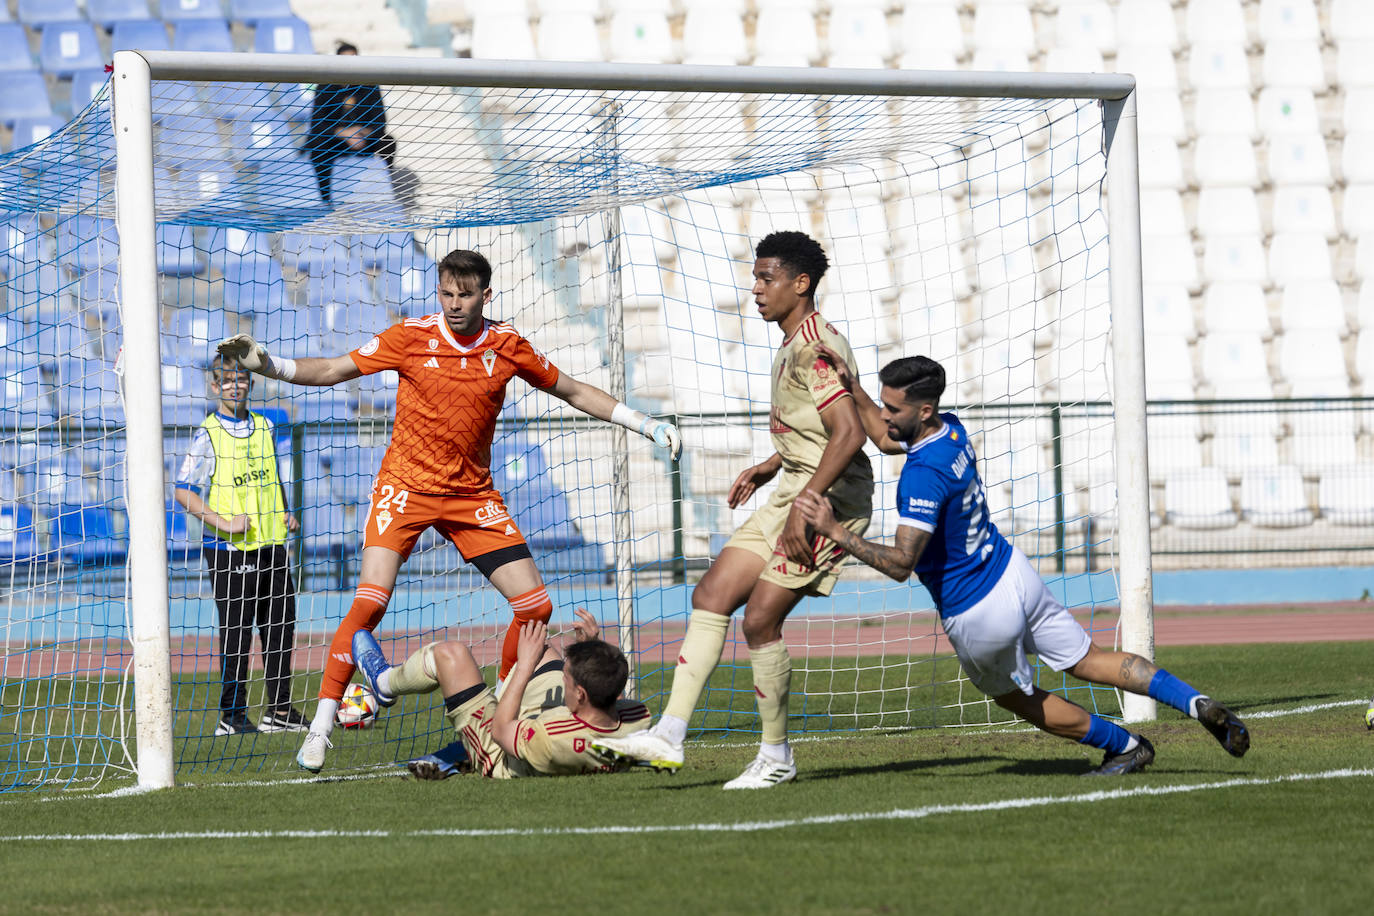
x,y
476,524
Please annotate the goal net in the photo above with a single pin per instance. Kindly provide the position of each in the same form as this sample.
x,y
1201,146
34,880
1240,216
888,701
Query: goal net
x,y
620,221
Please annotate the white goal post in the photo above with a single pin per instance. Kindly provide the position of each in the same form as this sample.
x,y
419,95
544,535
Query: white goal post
x,y
135,74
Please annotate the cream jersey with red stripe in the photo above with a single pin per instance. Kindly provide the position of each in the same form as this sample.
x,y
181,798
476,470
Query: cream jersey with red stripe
x,y
448,399
554,743
803,386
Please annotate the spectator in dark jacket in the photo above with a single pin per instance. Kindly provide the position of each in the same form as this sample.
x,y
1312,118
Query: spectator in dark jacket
x,y
347,121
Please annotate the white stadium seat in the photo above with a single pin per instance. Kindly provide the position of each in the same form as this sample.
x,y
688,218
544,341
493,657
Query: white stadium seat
x,y
569,36
1293,20
1234,258
1228,307
1222,211
1161,213
1364,360
858,29
1315,442
1224,111
931,26
1174,444
1357,209
1294,63
1154,66
1357,114
1218,64
1305,208
1216,20
1234,364
1298,256
1352,19
1161,114
785,36
501,35
1005,26
1198,498
1364,256
1085,23
640,36
1346,495
1169,258
1161,166
1074,60
711,38
1169,310
1364,307
1357,157
1287,110
1169,367
1274,497
1312,305
1225,161
1354,62
1001,60
1299,159
1313,363
1146,22
1243,441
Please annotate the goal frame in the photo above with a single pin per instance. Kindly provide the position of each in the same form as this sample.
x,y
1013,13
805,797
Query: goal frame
x,y
134,72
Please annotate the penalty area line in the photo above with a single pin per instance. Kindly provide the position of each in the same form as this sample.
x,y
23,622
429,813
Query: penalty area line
x,y
896,814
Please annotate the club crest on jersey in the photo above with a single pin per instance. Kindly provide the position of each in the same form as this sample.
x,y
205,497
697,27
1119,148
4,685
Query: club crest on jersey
x,y
433,344
383,521
579,745
489,360
370,347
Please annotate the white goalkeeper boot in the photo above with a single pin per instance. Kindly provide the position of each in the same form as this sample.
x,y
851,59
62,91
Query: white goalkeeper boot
x,y
311,755
642,749
765,773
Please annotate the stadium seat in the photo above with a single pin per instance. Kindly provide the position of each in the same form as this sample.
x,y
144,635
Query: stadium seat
x,y
1313,363
1295,64
1299,159
144,35
364,183
63,339
1227,211
288,35
1313,305
28,131
1074,60
176,251
112,13
41,12
88,393
1146,23
1242,441
502,35
1169,366
575,35
311,254
67,47
520,471
85,535
1317,444
1198,498
264,140
178,11
86,85
1161,213
931,27
1154,66
1224,111
254,287
250,11
1216,20
23,400
1216,64
1225,161
198,329
1238,258
205,35
1352,19
1293,20
1287,110
640,36
181,546
1161,114
1174,443
1354,63
1161,166
98,290
17,537
349,325
1005,26
224,247
1364,307
1235,306
1169,256
344,286
1305,208
1169,310
185,398
1298,256
1357,158
14,48
23,95
1274,497
411,290
87,243
856,32
286,330
1085,23
790,37
1235,366
1346,495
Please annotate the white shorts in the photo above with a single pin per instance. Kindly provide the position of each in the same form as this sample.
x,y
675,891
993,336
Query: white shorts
x,y
1018,616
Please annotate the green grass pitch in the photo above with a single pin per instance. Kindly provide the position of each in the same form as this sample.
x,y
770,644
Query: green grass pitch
x,y
928,821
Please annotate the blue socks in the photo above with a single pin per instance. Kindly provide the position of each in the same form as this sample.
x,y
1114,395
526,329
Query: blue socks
x,y
1168,689
1108,736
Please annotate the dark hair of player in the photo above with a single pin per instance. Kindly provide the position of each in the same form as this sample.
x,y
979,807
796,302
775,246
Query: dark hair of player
x,y
598,668
463,263
921,378
798,253
346,47
220,365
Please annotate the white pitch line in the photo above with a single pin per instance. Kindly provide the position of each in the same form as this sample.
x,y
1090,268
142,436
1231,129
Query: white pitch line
x,y
1276,713
896,814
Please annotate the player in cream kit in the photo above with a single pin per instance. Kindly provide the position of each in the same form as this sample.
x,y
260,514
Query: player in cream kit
x,y
993,605
772,561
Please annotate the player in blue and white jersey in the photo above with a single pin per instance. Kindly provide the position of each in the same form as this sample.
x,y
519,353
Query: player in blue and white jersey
x,y
993,605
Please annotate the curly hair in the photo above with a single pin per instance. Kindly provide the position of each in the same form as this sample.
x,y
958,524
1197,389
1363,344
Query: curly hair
x,y
798,253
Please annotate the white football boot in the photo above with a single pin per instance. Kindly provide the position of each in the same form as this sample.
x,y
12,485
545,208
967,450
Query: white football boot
x,y
764,773
311,755
643,749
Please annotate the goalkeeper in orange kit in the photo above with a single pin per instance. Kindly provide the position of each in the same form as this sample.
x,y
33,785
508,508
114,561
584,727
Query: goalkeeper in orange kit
x,y
453,367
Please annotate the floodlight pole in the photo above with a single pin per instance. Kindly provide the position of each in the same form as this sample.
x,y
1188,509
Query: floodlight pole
x,y
1128,397
135,220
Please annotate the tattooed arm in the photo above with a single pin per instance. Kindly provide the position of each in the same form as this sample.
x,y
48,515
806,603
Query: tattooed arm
x,y
896,562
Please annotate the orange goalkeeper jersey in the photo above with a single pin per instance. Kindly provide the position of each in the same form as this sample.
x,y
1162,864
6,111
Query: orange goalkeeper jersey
x,y
448,399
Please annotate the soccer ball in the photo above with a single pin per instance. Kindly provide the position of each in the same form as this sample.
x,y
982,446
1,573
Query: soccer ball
x,y
1369,717
358,708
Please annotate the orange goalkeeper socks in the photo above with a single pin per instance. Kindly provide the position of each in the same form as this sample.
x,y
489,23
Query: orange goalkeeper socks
x,y
369,606
532,605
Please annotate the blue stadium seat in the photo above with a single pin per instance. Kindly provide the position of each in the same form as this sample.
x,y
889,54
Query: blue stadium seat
x,y
174,100
267,139
520,471
86,85
23,95
325,526
185,398
17,541
316,405
64,339
285,35
351,472
180,545
377,392
141,35
347,284
87,243
250,11
283,330
205,35
197,330
41,12
111,13
183,10
289,186
85,535
56,477
411,290
384,249
226,247
28,131
233,102
99,289
87,392
14,48
67,47
254,287
315,255
23,401
176,251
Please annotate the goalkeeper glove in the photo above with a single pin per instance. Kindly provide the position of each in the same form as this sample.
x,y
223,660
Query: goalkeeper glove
x,y
664,435
247,353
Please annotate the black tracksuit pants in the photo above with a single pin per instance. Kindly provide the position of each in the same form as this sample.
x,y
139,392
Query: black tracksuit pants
x,y
254,588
